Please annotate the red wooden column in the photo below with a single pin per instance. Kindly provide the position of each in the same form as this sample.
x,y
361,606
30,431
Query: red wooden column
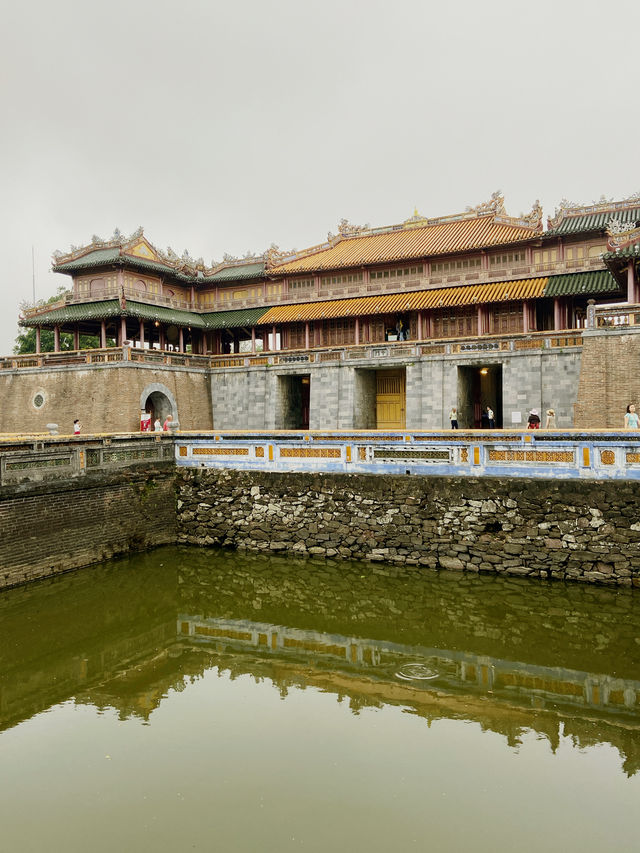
x,y
56,338
357,331
181,340
37,339
306,335
420,326
141,334
557,314
123,330
632,296
103,333
253,339
76,338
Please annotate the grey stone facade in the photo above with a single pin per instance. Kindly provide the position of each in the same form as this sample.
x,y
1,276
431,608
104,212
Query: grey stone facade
x,y
343,395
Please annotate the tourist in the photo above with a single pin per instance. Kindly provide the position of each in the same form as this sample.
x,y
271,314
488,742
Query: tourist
x,y
631,418
491,418
533,421
167,423
157,426
77,426
550,422
453,417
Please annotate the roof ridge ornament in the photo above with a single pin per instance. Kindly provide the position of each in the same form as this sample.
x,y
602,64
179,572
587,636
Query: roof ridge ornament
x,y
494,206
621,234
570,208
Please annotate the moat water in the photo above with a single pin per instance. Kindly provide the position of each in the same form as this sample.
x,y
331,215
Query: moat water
x,y
193,699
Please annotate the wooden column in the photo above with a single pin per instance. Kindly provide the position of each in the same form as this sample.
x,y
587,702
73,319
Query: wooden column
x,y
253,339
142,334
123,330
306,335
181,340
38,339
420,338
275,332
76,338
103,334
357,331
525,316
56,338
557,314
631,284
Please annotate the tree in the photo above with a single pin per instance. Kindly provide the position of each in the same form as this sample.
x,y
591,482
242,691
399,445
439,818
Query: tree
x,y
26,340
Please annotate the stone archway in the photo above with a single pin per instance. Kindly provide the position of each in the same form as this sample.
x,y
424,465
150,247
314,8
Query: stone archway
x,y
158,400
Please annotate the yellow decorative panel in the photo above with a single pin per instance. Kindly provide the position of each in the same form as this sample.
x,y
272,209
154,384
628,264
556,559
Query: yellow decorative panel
x,y
586,457
220,451
142,250
182,451
464,455
362,453
260,452
607,457
633,458
476,455
310,452
531,455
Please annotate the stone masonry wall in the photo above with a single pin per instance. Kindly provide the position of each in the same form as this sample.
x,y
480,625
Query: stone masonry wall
x,y
58,526
543,529
106,398
609,378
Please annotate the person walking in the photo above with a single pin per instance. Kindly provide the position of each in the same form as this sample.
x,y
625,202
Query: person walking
x,y
631,417
533,421
77,426
453,417
491,418
550,422
167,423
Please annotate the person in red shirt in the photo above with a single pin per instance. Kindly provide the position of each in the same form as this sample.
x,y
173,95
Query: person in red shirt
x,y
167,423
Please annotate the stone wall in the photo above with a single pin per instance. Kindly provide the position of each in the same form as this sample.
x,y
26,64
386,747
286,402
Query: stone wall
x,y
106,398
542,529
49,528
609,379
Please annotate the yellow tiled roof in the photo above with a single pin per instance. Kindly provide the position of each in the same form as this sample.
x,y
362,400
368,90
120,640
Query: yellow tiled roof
x,y
406,243
419,300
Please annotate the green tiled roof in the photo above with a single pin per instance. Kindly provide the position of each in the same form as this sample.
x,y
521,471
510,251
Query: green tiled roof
x,y
235,319
166,315
111,308
238,273
628,253
76,313
593,221
102,257
573,284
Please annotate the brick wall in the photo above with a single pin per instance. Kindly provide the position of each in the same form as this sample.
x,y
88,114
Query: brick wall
x,y
106,398
609,378
46,529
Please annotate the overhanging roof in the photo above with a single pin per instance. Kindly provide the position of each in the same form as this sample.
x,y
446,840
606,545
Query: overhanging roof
x,y
78,313
234,319
593,221
573,284
392,303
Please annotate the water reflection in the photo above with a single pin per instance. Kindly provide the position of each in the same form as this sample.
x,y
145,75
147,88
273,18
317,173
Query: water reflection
x,y
513,656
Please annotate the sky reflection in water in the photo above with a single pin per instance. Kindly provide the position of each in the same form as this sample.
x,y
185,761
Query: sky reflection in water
x,y
228,702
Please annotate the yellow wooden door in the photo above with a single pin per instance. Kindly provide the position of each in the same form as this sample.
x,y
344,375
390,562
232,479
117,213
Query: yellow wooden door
x,y
390,399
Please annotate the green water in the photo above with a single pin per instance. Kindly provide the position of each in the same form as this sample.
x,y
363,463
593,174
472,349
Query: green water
x,y
188,699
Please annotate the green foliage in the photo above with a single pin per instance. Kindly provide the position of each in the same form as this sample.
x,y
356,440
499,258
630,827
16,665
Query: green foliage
x,y
26,340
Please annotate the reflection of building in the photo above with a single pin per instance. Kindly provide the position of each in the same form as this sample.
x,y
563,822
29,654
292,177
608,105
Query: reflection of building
x,y
476,308
448,670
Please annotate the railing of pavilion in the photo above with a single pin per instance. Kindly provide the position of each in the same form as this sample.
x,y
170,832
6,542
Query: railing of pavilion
x,y
425,281
380,350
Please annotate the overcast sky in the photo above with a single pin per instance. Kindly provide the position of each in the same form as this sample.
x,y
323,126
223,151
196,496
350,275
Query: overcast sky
x,y
225,127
